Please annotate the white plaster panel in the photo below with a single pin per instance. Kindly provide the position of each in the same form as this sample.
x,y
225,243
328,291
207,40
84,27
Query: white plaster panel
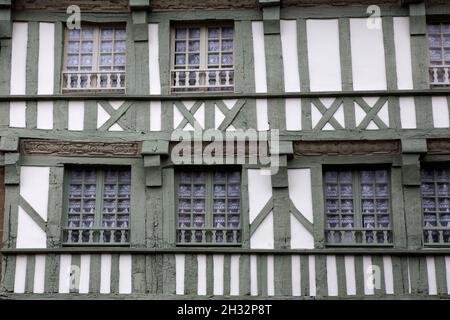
x,y
332,276
301,238
296,275
64,273
270,276
201,274
105,273
440,112
262,238
44,115
85,263
29,234
39,273
234,275
403,61
288,30
312,275
179,271
408,113
34,187
17,114
46,63
259,57
153,58
259,191
350,278
262,117
388,275
20,274
431,273
253,275
300,191
19,58
155,116
367,262
293,114
76,115
125,265
218,263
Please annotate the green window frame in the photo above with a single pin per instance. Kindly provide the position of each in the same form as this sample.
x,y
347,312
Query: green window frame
x,y
358,207
97,206
439,53
208,207
435,196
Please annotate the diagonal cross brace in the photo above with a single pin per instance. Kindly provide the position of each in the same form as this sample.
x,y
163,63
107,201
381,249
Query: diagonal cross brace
x,y
230,114
188,114
32,214
328,113
372,112
115,115
261,216
300,217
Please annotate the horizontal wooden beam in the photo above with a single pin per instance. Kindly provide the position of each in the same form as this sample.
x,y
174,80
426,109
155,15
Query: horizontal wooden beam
x,y
217,250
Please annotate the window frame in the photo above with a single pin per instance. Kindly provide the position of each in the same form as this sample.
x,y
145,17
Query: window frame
x,y
209,205
99,201
203,52
431,65
357,205
96,55
432,165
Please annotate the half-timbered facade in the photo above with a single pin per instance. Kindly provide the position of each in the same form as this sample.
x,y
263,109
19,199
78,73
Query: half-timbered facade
x,y
350,102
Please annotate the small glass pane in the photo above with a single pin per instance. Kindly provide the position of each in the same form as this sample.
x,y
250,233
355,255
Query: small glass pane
x,y
234,190
124,191
219,190
194,33
435,55
109,220
199,205
110,191
331,176
76,177
122,221
332,205
368,221
447,55
442,175
347,221
86,60
184,190
106,60
429,204
367,176
345,177
180,46
74,34
107,34
88,33
184,221
368,206
213,59
213,33
72,60
180,33
199,177
74,206
427,189
75,191
125,176
233,221
429,220
427,175
73,221
194,58
199,190
382,190
367,190
219,206
382,206
346,190
123,206
445,27
234,205
434,40
234,177
332,221
213,45
227,45
109,206
444,220
88,221
199,220
434,28
89,206
106,46
184,205
227,32
73,47
121,34
331,190
180,59
347,205
442,189
220,177
194,46
119,59
227,59
383,221
185,177
90,191
111,176
447,41
219,221
444,204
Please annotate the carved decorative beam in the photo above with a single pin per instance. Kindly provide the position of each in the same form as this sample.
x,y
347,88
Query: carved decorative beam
x,y
317,148
438,146
80,149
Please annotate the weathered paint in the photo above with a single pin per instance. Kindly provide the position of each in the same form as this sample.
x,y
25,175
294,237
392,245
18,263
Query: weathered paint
x,y
332,281
180,263
124,273
64,273
20,274
105,273
259,57
218,274
39,273
431,273
85,263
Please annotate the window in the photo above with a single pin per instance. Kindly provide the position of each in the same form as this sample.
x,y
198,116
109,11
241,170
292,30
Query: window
x,y
436,205
202,58
208,206
439,48
357,207
98,205
95,59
